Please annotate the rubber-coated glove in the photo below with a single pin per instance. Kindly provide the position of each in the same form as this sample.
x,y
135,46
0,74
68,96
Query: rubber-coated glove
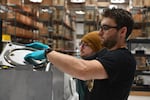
x,y
36,55
37,45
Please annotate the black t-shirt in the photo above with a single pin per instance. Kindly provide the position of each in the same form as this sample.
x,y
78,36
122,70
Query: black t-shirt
x,y
81,85
120,66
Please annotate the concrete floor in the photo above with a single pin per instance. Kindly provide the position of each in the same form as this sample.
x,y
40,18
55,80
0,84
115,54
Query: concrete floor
x,y
139,98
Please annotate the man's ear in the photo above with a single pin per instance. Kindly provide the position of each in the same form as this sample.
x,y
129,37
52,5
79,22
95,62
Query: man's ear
x,y
123,32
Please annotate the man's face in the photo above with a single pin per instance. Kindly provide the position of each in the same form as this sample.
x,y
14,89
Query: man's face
x,y
85,50
108,32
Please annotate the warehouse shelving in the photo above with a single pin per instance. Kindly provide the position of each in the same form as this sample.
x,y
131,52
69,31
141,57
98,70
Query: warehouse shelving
x,y
27,22
141,50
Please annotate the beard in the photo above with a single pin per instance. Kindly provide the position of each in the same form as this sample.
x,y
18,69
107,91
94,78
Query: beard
x,y
109,43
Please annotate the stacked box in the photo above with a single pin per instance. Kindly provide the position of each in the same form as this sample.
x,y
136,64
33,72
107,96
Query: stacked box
x,y
43,30
58,14
89,15
27,8
60,29
147,3
103,4
47,2
17,2
148,30
58,2
91,2
20,32
44,16
3,2
138,3
138,17
38,24
136,33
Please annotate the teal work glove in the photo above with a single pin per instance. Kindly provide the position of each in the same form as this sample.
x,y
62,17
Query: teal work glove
x,y
37,45
36,55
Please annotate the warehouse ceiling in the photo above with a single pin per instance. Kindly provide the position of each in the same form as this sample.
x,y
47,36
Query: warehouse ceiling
x,y
80,6
77,8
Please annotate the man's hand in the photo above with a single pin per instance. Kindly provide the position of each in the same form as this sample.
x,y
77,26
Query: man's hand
x,y
37,45
36,55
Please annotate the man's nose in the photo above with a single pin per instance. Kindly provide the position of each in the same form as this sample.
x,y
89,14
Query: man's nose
x,y
100,32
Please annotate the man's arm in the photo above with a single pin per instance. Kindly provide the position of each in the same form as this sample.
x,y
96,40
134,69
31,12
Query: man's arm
x,y
78,68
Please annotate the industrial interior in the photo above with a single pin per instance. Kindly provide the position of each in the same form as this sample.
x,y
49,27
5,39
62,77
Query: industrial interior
x,y
61,24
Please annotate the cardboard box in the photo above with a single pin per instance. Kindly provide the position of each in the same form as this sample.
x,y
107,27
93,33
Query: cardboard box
x,y
47,2
58,2
136,33
44,16
137,3
17,2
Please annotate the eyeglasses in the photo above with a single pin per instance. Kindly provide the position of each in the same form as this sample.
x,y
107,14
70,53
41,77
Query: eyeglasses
x,y
83,44
107,27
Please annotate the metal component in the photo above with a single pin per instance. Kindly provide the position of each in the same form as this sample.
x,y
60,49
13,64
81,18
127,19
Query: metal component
x,y
28,83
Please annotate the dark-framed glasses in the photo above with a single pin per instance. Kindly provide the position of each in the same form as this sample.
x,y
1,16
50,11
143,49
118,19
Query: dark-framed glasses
x,y
107,27
83,44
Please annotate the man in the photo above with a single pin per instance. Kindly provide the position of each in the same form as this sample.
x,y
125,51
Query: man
x,y
89,45
113,70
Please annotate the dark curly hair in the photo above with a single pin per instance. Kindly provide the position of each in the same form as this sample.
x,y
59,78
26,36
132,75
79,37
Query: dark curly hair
x,y
121,17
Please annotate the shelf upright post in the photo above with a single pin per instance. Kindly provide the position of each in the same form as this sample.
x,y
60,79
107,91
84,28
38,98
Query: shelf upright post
x,y
1,35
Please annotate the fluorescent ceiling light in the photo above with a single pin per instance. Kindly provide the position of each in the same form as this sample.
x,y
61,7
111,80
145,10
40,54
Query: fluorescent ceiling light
x,y
36,1
80,12
117,1
113,6
77,1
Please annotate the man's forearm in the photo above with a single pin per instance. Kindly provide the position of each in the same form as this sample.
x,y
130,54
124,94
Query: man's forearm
x,y
66,63
78,68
